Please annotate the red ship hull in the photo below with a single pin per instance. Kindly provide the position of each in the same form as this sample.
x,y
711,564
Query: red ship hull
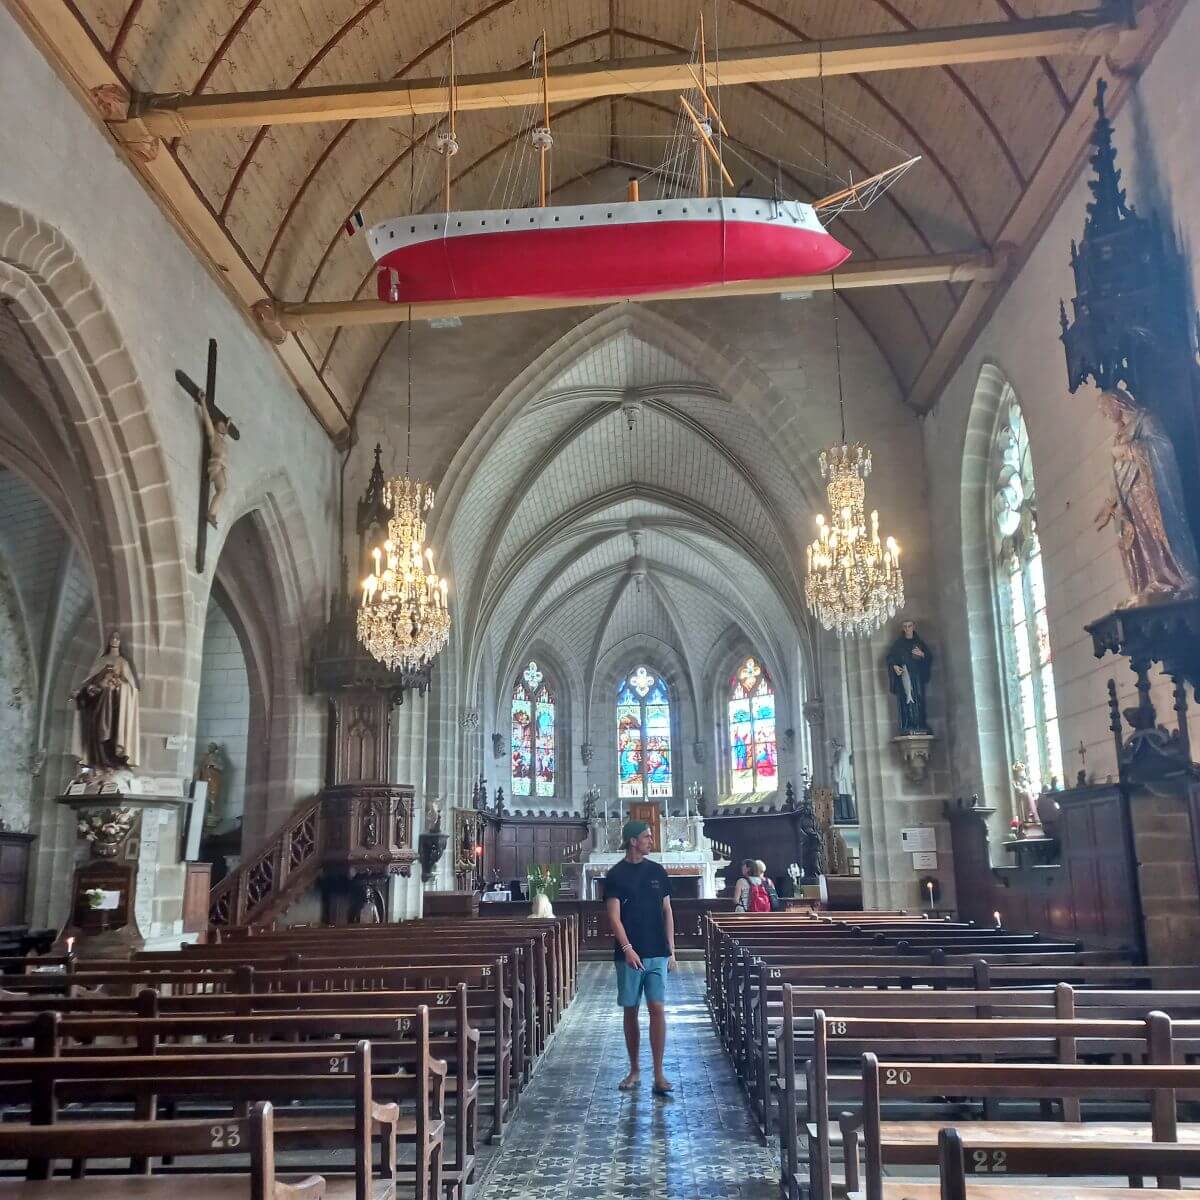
x,y
605,261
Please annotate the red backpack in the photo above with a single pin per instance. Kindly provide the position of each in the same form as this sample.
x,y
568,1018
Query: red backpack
x,y
760,898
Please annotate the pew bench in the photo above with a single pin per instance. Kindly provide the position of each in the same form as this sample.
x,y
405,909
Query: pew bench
x,y
80,1141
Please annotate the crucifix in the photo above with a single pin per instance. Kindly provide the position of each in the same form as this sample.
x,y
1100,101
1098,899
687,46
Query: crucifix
x,y
1081,777
214,454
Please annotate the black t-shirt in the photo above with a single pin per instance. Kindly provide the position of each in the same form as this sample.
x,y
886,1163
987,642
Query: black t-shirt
x,y
641,888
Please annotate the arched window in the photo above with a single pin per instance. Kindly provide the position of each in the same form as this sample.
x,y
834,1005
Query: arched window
x,y
753,764
532,735
1020,589
643,736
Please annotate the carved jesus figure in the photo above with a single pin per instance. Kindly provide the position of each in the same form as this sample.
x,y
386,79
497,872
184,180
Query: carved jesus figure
x,y
217,433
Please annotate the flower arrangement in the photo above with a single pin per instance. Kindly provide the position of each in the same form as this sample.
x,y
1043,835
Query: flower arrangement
x,y
105,828
101,899
545,881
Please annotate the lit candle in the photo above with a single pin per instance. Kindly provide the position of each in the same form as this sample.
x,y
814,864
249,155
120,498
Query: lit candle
x,y
996,919
929,887
70,945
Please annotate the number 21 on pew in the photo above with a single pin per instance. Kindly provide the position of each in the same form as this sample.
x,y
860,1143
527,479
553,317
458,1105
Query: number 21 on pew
x,y
988,1162
339,1064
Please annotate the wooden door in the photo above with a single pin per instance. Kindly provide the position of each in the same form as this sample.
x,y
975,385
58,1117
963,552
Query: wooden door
x,y
650,814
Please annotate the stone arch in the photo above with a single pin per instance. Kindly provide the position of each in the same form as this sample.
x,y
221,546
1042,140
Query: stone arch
x,y
106,430
988,749
262,567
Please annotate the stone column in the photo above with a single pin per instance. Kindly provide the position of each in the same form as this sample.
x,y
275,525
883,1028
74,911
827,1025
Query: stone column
x,y
890,797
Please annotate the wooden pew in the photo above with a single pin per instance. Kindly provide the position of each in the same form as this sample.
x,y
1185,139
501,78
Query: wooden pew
x,y
967,1169
83,1140
397,1043
916,1142
490,1009
343,1076
807,1089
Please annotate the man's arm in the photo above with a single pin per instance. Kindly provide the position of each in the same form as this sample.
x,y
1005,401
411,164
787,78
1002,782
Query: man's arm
x,y
613,905
669,922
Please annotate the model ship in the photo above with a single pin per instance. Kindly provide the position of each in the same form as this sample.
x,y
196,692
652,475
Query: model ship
x,y
633,247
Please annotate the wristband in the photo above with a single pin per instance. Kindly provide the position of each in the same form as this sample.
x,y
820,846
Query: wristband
x,y
626,948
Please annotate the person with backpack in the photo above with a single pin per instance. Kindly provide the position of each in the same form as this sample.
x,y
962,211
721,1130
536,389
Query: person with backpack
x,y
754,892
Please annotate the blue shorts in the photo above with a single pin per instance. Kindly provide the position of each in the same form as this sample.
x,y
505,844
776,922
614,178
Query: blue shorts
x,y
650,981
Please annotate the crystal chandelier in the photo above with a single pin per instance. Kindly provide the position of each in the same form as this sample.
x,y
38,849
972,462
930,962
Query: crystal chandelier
x,y
404,620
854,582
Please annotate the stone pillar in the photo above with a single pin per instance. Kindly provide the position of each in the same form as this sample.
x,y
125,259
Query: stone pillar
x,y
127,892
1165,846
891,793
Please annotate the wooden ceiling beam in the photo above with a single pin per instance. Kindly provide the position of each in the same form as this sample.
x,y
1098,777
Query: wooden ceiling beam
x,y
896,272
1091,33
1053,178
56,29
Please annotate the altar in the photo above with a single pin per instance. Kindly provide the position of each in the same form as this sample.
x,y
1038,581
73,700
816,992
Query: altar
x,y
688,858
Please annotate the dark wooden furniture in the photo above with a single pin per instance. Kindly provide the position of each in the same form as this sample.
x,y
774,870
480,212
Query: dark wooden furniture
x,y
197,884
15,850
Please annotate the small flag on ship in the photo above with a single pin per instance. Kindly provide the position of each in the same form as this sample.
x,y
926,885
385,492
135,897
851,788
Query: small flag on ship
x,y
353,223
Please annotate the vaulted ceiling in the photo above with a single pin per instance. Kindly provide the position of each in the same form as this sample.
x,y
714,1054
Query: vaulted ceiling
x,y
997,139
588,526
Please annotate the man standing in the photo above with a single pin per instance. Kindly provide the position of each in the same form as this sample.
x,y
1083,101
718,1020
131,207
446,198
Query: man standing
x,y
638,899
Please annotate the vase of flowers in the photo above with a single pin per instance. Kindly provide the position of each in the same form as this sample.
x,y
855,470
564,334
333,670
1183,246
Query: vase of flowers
x,y
544,884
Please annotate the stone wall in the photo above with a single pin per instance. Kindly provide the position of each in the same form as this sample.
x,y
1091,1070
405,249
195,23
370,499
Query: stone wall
x,y
110,302
1167,880
1070,441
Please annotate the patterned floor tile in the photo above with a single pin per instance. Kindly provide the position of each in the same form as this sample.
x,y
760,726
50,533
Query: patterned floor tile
x,y
577,1138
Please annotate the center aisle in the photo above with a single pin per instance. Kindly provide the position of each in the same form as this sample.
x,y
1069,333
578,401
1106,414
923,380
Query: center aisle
x,y
576,1137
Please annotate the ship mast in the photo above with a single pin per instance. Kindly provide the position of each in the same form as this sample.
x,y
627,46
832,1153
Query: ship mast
x,y
543,139
704,126
447,141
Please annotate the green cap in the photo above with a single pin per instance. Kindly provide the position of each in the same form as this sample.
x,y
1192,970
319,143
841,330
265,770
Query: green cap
x,y
632,829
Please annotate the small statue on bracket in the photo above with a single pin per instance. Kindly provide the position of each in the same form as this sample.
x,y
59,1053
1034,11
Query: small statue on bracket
x,y
1027,804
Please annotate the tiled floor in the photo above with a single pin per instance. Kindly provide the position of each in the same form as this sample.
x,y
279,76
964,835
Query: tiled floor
x,y
577,1138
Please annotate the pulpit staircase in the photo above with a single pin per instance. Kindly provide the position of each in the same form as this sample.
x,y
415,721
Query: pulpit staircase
x,y
261,888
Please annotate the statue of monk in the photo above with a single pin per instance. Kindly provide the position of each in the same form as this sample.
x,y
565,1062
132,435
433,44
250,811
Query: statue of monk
x,y
107,725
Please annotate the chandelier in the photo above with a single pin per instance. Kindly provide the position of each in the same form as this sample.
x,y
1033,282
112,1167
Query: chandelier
x,y
854,582
404,620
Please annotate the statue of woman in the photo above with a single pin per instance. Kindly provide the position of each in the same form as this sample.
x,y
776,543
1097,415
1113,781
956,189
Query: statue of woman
x,y
107,724
1026,797
1154,536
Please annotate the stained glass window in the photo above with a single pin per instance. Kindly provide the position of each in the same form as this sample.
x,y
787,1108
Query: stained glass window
x,y
1021,603
643,736
753,765
532,735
